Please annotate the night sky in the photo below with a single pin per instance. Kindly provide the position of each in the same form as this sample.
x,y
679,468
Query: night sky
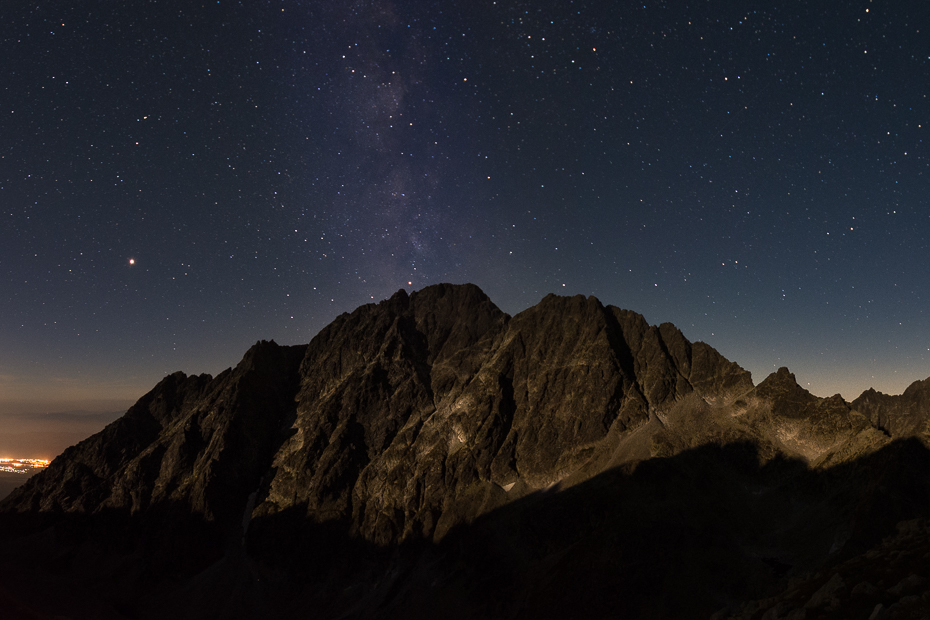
x,y
179,180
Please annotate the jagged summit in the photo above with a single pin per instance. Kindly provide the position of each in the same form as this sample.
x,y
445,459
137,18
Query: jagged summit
x,y
431,416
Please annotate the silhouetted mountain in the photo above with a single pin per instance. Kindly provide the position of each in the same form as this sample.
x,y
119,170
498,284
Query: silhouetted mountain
x,y
432,456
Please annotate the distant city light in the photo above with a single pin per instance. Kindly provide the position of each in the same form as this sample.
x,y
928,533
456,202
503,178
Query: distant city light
x,y
22,466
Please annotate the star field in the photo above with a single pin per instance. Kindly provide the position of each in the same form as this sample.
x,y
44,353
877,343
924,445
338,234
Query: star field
x,y
179,180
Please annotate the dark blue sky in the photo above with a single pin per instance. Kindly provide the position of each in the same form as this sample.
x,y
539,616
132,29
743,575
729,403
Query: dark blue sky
x,y
757,176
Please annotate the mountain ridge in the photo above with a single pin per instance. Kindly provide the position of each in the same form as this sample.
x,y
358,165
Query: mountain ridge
x,y
409,420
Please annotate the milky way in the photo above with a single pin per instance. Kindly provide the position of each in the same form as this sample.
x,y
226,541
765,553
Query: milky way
x,y
758,178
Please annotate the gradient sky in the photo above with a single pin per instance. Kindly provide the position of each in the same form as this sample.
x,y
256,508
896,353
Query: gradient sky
x,y
181,179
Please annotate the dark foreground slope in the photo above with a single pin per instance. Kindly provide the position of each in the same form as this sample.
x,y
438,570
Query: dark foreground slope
x,y
431,455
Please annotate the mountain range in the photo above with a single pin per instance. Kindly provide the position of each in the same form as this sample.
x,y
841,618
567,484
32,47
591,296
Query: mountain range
x,y
431,456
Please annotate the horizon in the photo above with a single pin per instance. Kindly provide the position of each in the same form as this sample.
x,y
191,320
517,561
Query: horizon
x,y
43,430
43,427
57,395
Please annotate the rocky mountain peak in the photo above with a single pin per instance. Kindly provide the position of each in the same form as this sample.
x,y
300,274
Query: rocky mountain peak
x,y
904,415
789,399
433,420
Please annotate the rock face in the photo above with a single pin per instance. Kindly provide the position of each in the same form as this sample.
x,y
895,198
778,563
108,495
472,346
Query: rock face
x,y
900,416
444,408
196,443
358,474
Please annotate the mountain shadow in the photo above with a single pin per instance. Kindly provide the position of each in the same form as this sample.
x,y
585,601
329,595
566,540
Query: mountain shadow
x,y
679,537
676,537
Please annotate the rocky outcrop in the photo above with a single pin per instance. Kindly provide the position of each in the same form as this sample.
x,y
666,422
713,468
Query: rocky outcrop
x,y
906,415
819,430
429,422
